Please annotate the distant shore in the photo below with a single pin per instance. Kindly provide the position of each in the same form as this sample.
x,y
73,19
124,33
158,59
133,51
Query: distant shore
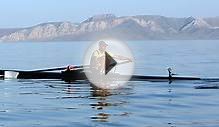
x,y
141,27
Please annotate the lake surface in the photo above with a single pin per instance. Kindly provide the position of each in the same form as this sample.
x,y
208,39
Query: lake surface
x,y
48,103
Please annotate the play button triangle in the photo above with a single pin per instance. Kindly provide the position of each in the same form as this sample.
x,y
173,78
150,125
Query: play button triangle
x,y
109,63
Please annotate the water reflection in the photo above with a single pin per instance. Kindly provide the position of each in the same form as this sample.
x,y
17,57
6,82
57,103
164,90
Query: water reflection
x,y
101,117
98,100
99,93
104,100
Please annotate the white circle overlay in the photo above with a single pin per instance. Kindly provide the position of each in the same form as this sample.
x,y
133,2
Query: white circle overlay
x,y
119,75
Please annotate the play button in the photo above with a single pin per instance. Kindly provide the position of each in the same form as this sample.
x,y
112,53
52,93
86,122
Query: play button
x,y
111,64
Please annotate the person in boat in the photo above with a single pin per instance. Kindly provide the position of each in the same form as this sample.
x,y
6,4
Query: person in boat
x,y
97,61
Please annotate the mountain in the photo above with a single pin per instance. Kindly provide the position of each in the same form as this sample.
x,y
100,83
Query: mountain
x,y
7,31
140,27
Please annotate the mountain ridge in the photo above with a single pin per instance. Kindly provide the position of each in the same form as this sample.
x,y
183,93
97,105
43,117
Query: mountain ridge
x,y
139,27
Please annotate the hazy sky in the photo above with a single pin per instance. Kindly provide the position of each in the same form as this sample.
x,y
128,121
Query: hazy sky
x,y
21,13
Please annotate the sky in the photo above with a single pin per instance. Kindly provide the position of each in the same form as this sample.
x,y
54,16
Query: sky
x,y
23,13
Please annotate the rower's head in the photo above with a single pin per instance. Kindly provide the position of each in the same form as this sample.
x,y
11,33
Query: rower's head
x,y
102,46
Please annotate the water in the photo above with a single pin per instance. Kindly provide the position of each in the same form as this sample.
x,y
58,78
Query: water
x,y
48,103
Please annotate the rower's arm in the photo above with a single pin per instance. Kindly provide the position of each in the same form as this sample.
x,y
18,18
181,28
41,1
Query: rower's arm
x,y
122,58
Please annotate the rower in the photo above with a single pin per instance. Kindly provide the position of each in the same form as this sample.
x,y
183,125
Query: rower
x,y
97,61
170,72
170,75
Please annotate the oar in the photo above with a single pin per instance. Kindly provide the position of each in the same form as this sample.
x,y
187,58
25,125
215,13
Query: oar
x,y
50,69
59,68
124,62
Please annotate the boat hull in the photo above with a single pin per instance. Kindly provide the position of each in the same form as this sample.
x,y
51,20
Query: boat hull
x,y
80,75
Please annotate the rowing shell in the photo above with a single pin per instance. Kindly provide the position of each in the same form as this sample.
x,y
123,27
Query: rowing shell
x,y
80,75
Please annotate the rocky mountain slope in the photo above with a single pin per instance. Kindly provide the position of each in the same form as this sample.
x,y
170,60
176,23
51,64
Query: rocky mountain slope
x,y
142,27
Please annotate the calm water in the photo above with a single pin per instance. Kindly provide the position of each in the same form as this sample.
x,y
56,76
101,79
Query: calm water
x,y
48,103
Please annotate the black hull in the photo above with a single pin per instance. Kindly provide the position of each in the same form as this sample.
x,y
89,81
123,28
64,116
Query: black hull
x,y
80,75
161,78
